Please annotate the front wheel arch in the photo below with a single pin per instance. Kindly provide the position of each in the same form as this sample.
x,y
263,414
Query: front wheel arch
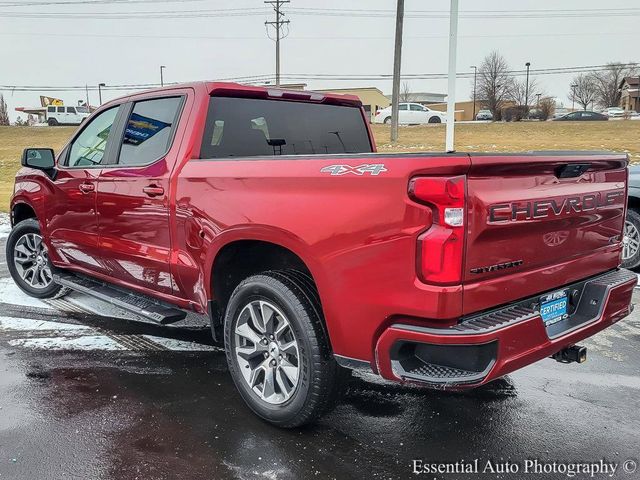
x,y
22,211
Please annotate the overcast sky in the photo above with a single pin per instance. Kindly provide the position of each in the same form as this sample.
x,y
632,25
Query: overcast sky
x,y
78,51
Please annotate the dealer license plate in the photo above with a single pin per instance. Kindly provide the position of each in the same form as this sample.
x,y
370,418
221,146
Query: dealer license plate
x,y
553,307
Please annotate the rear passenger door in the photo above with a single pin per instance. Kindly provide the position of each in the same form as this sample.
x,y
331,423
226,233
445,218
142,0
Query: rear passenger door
x,y
133,195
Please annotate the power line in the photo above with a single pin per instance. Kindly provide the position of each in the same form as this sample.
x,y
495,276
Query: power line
x,y
171,14
316,76
332,12
471,14
323,37
87,2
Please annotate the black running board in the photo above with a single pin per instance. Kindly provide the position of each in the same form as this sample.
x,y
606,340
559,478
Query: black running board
x,y
139,304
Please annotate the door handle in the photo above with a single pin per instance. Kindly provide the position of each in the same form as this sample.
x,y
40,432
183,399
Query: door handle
x,y
153,190
87,187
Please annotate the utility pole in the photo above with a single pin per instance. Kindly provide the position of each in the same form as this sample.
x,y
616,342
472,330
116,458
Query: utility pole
x,y
538,102
397,62
475,83
526,88
162,67
573,97
86,88
277,25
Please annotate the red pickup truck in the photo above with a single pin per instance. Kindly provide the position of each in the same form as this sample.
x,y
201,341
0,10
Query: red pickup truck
x,y
269,211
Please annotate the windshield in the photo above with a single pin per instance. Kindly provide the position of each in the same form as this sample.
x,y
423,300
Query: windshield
x,y
255,127
81,109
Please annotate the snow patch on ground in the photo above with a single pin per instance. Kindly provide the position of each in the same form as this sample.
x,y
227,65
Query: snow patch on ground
x,y
5,225
29,325
180,346
68,336
10,293
85,343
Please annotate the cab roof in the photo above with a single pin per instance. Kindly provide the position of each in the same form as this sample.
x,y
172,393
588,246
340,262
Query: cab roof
x,y
230,89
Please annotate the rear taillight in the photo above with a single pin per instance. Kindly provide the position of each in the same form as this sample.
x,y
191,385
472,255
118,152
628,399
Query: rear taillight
x,y
441,247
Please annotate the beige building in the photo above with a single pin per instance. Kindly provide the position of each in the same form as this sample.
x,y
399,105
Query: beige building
x,y
464,110
630,94
371,97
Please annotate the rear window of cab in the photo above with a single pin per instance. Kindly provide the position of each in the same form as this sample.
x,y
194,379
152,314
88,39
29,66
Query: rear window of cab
x,y
248,127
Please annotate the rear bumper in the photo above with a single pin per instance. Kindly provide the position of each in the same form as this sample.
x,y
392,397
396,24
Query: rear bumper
x,y
487,346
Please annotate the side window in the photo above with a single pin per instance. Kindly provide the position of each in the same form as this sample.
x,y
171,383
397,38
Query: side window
x,y
149,131
416,108
71,110
51,109
404,106
60,109
88,147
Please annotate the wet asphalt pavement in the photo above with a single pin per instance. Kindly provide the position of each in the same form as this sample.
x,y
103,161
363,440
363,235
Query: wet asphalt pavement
x,y
89,397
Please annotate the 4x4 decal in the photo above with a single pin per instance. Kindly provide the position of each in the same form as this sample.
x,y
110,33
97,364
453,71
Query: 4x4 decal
x,y
373,169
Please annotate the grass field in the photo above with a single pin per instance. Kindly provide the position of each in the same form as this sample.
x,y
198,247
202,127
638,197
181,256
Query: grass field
x,y
619,136
15,139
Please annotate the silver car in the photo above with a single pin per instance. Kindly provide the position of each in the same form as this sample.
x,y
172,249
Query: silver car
x,y
484,115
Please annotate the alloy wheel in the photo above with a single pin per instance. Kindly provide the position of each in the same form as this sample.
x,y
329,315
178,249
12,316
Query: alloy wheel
x,y
630,241
32,261
267,352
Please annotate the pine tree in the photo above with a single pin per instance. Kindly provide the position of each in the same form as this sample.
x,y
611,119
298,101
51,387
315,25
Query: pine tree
x,y
4,113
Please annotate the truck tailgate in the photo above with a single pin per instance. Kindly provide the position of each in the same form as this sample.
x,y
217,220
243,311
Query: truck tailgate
x,y
536,222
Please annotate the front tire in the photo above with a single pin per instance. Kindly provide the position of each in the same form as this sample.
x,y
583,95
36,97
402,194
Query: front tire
x,y
387,121
435,119
631,240
28,261
277,350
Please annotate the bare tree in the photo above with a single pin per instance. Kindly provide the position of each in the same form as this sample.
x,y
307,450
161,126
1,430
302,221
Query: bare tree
x,y
405,93
4,113
494,83
608,83
518,91
547,108
583,90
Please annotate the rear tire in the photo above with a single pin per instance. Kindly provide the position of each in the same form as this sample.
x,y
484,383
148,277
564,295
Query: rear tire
x,y
631,240
28,261
278,353
52,122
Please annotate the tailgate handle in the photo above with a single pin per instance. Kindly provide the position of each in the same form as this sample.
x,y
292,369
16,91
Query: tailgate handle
x,y
572,170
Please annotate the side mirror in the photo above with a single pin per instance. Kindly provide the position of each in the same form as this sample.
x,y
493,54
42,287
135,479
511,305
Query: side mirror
x,y
39,158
